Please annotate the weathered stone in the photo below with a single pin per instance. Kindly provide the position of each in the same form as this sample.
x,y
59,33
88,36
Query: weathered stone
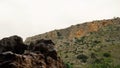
x,y
14,44
41,54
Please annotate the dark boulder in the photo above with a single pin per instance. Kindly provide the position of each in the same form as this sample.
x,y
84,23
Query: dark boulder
x,y
45,47
42,46
14,44
39,54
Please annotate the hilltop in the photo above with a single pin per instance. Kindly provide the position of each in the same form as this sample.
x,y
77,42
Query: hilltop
x,y
86,45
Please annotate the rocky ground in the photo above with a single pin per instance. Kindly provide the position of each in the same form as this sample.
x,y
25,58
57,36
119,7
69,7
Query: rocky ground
x,y
40,54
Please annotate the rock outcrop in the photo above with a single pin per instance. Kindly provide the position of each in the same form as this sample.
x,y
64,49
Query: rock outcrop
x,y
14,44
40,54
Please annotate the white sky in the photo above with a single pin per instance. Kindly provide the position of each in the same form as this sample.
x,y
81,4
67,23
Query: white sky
x,y
30,17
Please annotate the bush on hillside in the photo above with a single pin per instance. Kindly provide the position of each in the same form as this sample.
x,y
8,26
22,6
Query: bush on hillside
x,y
107,55
104,63
82,57
68,65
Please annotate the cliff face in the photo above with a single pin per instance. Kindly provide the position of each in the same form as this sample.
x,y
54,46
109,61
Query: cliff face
x,y
40,54
84,44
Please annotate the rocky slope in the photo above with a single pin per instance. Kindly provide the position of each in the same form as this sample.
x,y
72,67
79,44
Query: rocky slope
x,y
74,31
86,45
40,54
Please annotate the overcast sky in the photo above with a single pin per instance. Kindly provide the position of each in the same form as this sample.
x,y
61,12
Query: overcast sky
x,y
30,17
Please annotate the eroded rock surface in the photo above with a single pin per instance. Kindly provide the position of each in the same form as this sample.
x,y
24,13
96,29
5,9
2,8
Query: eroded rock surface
x,y
40,54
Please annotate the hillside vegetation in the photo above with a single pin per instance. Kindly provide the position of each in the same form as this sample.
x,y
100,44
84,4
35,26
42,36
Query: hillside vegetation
x,y
93,44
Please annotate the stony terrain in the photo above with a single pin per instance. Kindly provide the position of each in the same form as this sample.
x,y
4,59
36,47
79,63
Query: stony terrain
x,y
93,44
40,54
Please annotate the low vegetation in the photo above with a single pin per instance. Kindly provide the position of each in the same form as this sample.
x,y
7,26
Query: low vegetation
x,y
93,44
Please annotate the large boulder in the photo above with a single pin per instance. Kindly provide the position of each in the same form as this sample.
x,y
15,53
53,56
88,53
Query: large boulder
x,y
46,47
14,44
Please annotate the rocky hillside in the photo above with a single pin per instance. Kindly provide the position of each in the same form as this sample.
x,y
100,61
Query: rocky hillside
x,y
40,54
89,45
74,31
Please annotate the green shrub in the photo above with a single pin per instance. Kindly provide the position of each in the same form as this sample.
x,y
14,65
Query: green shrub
x,y
68,65
93,55
98,61
103,63
82,57
59,34
107,55
80,40
117,66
